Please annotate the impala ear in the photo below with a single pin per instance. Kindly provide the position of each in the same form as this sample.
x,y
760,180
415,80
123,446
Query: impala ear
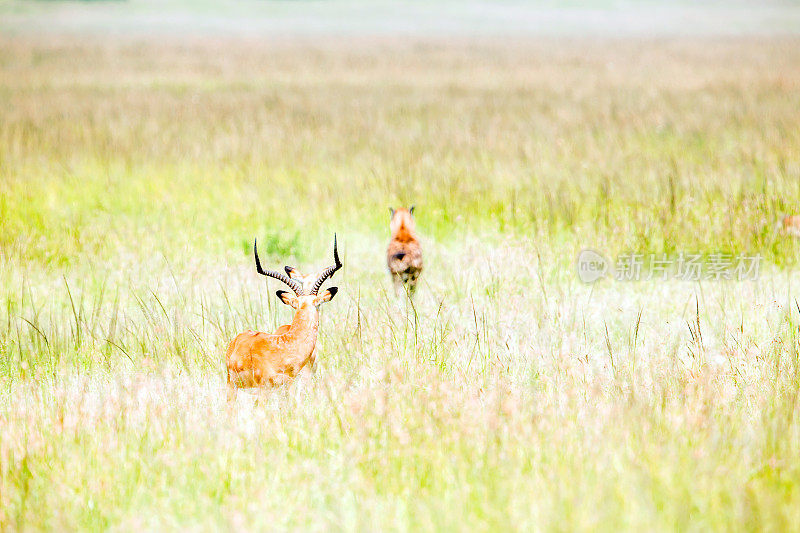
x,y
292,272
411,210
391,212
326,296
287,298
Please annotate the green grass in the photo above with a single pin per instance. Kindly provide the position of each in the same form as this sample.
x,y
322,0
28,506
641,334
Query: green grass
x,y
134,177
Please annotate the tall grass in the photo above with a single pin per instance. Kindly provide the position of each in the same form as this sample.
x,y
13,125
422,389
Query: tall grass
x,y
133,178
679,146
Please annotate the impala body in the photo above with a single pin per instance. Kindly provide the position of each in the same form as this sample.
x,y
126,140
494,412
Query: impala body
x,y
404,254
257,359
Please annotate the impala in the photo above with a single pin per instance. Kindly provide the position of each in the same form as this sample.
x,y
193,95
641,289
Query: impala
x,y
256,359
404,254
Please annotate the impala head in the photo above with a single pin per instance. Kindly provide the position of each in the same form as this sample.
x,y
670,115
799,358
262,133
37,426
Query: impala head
x,y
401,217
306,288
306,281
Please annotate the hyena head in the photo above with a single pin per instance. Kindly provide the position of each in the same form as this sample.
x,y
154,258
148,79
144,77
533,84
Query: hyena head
x,y
401,218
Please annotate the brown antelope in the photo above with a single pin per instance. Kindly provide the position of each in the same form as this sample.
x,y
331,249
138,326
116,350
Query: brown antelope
x,y
789,225
256,359
404,255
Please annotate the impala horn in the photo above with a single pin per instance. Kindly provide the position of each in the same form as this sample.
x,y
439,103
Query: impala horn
x,y
330,271
294,285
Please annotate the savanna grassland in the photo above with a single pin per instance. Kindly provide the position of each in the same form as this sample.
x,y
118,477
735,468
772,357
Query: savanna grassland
x,y
134,175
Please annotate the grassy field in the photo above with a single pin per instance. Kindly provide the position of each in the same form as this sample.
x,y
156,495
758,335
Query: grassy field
x,y
134,177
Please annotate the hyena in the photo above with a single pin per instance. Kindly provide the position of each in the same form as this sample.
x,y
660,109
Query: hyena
x,y
404,255
789,225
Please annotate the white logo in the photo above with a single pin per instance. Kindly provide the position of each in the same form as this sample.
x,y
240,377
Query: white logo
x,y
591,266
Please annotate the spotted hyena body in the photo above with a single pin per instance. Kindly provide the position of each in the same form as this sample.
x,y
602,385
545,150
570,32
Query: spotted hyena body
x,y
789,225
404,253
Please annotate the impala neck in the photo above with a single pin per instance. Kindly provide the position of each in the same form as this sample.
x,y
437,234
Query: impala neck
x,y
305,324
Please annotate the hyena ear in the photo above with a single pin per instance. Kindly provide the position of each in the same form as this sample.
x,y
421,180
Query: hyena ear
x,y
287,298
391,212
411,209
326,296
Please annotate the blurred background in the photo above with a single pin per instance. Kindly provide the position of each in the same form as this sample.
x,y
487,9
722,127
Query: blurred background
x,y
315,18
